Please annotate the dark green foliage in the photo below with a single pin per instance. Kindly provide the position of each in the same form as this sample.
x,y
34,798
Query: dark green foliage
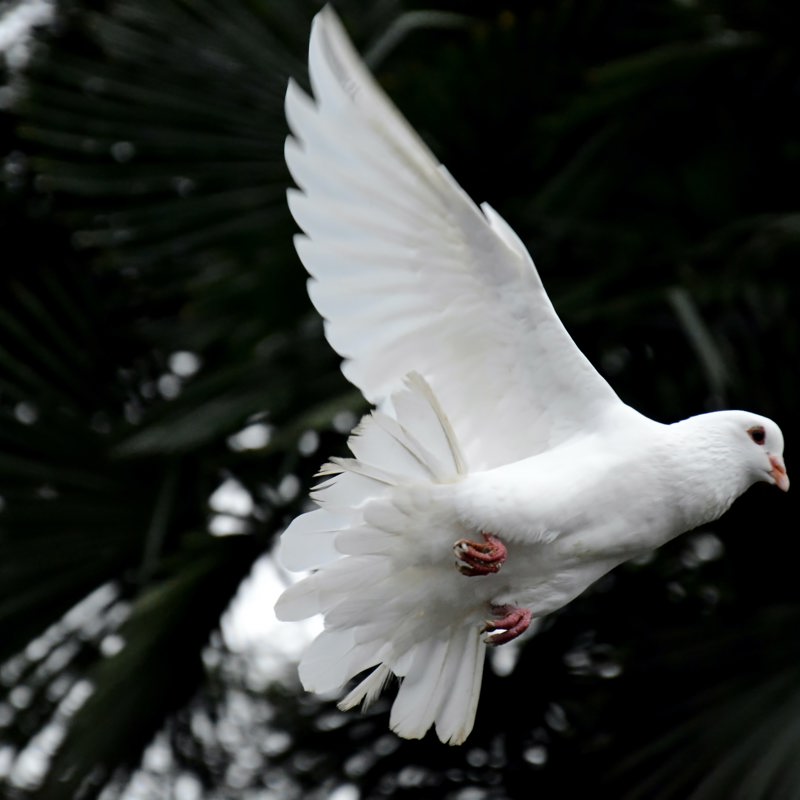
x,y
649,155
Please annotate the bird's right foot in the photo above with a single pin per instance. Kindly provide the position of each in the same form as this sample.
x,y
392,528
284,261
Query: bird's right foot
x,y
480,558
510,621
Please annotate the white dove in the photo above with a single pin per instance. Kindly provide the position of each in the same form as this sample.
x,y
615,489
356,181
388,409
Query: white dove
x,y
502,475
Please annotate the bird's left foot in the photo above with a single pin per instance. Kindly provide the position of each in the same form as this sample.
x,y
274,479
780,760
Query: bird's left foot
x,y
512,621
480,558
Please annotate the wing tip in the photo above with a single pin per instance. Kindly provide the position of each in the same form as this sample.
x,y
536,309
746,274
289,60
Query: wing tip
x,y
327,40
326,25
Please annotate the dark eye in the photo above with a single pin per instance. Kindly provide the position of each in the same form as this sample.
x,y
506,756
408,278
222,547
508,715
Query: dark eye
x,y
757,434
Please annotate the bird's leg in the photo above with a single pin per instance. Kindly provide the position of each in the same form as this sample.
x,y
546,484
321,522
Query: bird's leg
x,y
512,621
480,558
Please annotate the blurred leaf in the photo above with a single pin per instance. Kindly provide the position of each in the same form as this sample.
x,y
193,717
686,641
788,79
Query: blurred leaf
x,y
157,669
740,725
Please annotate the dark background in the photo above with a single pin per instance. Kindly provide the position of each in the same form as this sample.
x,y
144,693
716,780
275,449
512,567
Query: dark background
x,y
647,152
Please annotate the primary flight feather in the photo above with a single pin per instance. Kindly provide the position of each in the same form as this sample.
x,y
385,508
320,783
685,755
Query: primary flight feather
x,y
501,475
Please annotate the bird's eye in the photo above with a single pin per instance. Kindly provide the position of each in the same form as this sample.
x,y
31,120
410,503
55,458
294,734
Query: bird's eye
x,y
757,434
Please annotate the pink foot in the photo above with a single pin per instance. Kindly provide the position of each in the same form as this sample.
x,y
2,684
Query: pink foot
x,y
475,558
513,621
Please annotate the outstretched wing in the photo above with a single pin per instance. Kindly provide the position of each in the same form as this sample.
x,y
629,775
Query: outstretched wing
x,y
410,275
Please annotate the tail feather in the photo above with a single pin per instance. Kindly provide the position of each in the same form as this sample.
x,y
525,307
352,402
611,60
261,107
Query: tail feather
x,y
365,539
326,588
420,694
348,488
384,573
312,543
368,690
442,688
325,663
333,658
465,673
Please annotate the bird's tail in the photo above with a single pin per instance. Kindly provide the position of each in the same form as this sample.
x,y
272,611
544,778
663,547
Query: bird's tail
x,y
380,550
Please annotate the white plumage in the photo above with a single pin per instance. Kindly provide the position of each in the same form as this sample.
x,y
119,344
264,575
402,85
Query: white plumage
x,y
491,422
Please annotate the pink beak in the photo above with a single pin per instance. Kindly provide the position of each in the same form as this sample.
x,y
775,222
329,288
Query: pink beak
x,y
778,473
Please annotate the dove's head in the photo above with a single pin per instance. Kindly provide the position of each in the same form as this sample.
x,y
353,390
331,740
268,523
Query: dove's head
x,y
764,449
750,443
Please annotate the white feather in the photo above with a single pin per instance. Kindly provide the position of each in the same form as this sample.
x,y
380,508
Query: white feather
x,y
346,490
367,691
364,539
460,703
332,658
308,542
417,703
482,331
372,540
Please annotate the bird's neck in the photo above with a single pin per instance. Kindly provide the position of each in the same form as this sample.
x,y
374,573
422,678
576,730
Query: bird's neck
x,y
707,475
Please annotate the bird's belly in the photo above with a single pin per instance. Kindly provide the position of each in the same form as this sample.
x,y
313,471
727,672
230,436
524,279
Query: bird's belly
x,y
552,558
539,578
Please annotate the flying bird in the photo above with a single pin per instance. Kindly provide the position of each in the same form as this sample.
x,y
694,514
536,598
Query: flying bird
x,y
500,475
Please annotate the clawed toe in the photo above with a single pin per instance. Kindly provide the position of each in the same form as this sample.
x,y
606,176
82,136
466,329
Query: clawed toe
x,y
480,558
512,622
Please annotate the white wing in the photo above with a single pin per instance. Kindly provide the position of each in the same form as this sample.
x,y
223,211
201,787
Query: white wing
x,y
410,275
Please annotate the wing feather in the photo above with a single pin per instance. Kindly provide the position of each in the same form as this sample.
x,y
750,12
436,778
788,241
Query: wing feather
x,y
412,276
